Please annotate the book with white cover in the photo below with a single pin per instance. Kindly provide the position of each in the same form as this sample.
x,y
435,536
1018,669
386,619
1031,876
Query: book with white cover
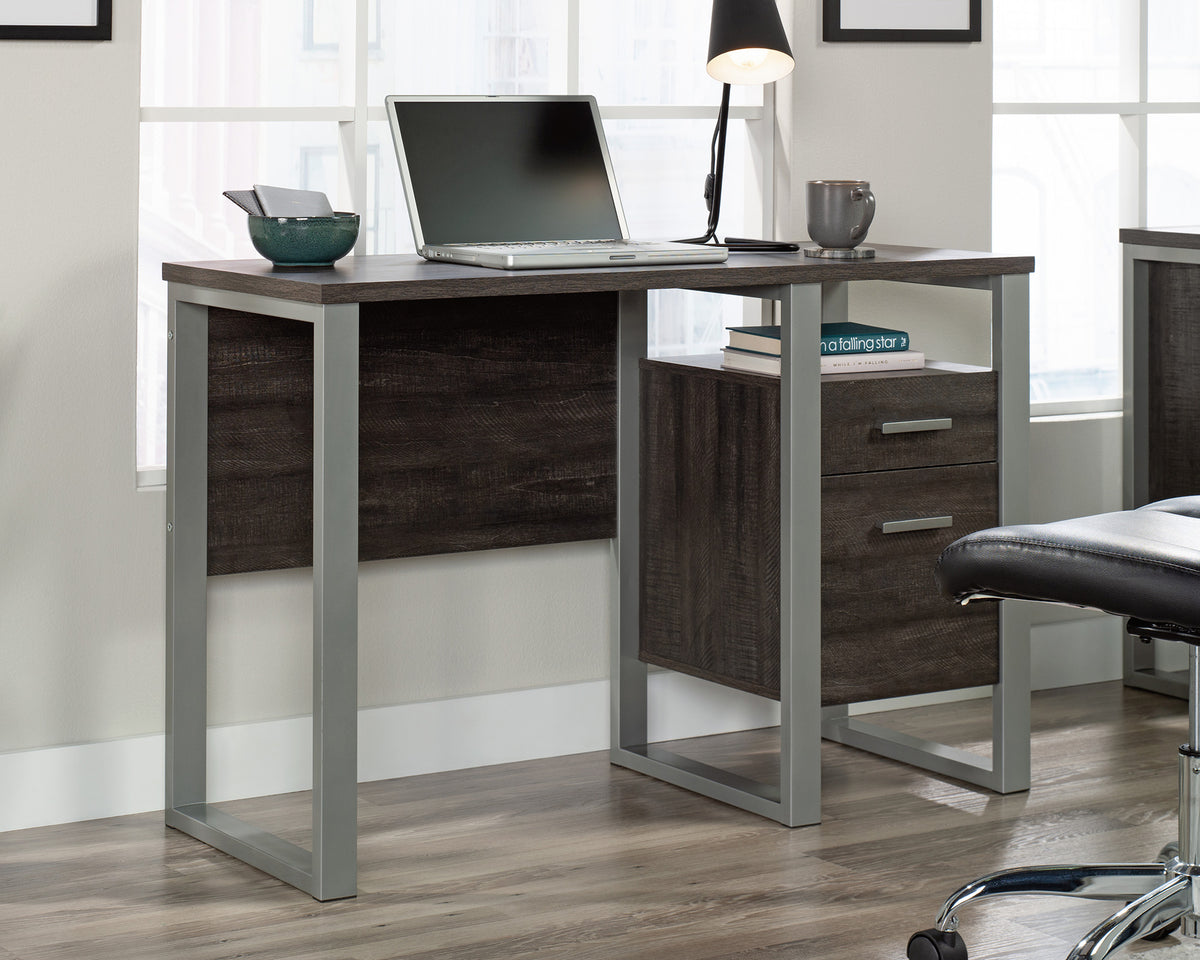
x,y
752,362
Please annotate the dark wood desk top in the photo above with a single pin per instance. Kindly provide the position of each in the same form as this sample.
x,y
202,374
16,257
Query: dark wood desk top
x,y
381,278
1185,237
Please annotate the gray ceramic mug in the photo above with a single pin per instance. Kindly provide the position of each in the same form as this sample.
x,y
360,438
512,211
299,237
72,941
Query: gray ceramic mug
x,y
839,212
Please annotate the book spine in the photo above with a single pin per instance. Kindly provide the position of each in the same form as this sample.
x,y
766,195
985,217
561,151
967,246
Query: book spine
x,y
766,346
889,341
736,359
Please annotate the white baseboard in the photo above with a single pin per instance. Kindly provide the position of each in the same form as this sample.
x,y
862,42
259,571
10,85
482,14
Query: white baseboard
x,y
94,780
1088,649
114,778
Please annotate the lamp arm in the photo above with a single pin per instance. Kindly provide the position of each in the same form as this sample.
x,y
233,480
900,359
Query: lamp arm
x,y
718,165
712,183
712,192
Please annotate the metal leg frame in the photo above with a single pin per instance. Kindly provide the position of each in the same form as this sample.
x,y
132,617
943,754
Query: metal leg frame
x,y
1007,770
328,871
796,800
1139,665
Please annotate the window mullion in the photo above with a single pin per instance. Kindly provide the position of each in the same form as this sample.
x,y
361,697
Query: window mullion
x,y
352,133
573,82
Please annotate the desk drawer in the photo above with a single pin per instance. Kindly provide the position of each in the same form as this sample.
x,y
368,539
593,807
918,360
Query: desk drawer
x,y
901,420
886,628
710,550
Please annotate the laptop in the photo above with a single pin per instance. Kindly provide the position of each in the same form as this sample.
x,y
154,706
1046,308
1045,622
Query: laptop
x,y
517,183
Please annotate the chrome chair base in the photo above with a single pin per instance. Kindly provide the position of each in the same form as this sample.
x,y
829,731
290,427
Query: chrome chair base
x,y
1159,897
1141,564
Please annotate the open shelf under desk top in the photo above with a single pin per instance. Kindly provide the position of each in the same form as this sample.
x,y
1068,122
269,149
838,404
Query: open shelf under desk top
x,y
712,362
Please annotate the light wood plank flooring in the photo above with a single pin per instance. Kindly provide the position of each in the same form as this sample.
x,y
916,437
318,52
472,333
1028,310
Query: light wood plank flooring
x,y
573,858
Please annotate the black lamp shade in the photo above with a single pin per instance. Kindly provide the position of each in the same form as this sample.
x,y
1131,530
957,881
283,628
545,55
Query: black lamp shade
x,y
747,43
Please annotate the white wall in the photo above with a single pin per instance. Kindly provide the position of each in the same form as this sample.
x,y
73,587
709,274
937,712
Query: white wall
x,y
81,572
81,564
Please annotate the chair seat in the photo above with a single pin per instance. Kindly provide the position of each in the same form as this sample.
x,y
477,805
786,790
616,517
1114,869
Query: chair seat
x,y
1142,563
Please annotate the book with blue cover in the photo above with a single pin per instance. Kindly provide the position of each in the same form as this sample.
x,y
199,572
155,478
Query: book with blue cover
x,y
836,339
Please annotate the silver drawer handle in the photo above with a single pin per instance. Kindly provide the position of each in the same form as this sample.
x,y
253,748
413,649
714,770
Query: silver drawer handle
x,y
919,523
916,426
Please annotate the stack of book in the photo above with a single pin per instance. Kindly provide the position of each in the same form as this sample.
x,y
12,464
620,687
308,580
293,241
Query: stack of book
x,y
845,348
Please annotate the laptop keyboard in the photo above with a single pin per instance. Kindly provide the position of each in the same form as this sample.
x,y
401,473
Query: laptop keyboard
x,y
558,244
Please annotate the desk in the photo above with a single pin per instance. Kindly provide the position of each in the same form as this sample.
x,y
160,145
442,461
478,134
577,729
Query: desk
x,y
1161,338
807,291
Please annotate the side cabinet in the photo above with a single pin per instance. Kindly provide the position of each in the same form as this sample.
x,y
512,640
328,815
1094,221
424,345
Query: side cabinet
x,y
908,465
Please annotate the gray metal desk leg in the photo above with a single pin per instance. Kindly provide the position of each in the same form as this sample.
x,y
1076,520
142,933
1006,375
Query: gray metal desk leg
x,y
329,870
187,555
628,675
800,553
335,603
1010,770
796,798
1135,378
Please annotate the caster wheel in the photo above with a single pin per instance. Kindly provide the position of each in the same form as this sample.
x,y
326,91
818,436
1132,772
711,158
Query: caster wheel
x,y
936,945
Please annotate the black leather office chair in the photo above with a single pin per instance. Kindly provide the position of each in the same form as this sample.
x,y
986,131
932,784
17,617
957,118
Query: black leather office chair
x,y
1142,564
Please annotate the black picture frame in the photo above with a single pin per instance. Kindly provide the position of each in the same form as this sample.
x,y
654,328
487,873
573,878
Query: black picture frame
x,y
100,30
833,32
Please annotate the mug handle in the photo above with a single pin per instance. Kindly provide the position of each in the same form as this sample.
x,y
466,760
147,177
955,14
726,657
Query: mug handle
x,y
859,230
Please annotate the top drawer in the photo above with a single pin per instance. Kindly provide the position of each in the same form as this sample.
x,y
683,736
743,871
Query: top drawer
x,y
920,418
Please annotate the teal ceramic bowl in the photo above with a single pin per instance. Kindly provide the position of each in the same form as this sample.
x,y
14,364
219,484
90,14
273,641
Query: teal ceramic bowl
x,y
304,241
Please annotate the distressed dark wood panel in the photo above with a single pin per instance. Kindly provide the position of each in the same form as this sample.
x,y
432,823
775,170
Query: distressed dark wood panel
x,y
710,549
886,628
710,526
490,424
485,423
854,408
260,433
1173,396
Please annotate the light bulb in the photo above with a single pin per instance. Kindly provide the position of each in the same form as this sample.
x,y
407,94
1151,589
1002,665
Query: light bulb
x,y
749,58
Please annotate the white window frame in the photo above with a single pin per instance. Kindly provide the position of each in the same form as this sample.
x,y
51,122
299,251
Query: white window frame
x,y
1132,161
356,113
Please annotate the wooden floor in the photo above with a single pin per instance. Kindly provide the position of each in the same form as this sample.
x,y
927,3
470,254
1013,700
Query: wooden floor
x,y
572,858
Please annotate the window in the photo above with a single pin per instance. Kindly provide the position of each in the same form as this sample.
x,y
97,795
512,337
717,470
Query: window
x,y
291,92
1096,118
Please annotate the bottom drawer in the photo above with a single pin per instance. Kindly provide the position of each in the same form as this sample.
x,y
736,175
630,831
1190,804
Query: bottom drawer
x,y
710,589
886,628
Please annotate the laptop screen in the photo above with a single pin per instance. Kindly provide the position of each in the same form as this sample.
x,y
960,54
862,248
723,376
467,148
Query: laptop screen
x,y
488,170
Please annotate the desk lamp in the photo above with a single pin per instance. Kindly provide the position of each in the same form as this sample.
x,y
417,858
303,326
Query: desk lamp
x,y
746,44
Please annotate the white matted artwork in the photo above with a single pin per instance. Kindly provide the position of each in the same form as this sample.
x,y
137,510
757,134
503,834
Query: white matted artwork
x,y
902,20
55,19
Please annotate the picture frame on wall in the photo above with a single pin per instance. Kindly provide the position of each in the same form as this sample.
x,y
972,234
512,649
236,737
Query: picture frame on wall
x,y
946,21
55,19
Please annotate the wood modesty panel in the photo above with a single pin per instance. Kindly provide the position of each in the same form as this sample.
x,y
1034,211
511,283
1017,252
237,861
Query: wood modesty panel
x,y
710,542
491,424
1173,396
